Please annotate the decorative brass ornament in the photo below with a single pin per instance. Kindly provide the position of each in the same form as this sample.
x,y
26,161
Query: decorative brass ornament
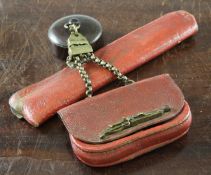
x,y
134,120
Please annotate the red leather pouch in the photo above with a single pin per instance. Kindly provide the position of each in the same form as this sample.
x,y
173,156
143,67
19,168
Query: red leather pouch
x,y
40,101
126,122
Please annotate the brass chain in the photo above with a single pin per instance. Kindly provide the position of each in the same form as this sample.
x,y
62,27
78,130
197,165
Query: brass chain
x,y
80,52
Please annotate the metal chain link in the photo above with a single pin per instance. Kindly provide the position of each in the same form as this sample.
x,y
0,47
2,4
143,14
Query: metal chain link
x,y
78,61
83,53
111,68
75,62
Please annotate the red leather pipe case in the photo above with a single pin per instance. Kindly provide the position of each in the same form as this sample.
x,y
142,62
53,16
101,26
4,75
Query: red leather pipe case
x,y
39,101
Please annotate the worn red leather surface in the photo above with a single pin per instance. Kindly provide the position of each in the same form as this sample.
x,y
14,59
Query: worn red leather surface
x,y
87,119
38,102
129,147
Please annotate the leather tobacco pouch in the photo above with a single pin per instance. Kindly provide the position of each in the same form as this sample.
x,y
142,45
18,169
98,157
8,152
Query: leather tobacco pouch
x,y
126,122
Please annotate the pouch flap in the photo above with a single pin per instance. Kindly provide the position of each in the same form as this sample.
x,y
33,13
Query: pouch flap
x,y
123,111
